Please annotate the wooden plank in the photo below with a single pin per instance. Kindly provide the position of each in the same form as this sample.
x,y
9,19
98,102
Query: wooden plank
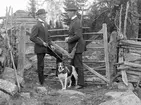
x,y
95,47
89,33
135,51
123,68
93,33
65,42
131,43
96,73
131,64
130,47
106,51
83,62
65,29
65,35
134,73
57,30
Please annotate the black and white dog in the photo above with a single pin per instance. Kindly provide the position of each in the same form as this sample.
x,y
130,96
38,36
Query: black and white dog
x,y
65,72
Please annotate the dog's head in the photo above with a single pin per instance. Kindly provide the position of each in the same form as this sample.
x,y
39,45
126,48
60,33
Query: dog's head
x,y
60,67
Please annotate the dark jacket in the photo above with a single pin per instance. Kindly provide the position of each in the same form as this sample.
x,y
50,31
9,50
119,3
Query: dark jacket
x,y
40,31
75,35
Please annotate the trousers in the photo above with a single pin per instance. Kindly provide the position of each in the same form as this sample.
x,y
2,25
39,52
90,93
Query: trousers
x,y
40,62
78,64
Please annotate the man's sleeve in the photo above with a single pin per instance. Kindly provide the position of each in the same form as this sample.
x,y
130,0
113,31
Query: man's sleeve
x,y
34,35
77,32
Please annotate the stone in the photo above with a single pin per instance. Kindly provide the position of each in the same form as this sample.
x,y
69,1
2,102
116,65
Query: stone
x,y
25,95
28,64
138,92
71,92
4,96
0,51
30,50
33,58
8,87
41,90
122,98
122,86
9,75
130,86
3,101
2,59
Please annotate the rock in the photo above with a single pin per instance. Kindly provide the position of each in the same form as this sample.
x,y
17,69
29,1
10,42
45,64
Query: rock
x,y
91,79
138,92
28,64
30,50
33,58
4,96
0,51
8,87
25,95
41,90
130,86
2,59
3,101
9,75
122,98
122,86
71,92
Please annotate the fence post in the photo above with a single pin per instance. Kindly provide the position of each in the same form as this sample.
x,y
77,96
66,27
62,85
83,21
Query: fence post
x,y
113,52
21,50
106,52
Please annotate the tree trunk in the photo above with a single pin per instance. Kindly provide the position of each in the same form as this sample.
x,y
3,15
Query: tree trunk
x,y
134,19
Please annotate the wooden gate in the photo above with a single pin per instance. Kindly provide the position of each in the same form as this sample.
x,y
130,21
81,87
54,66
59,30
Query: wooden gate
x,y
102,32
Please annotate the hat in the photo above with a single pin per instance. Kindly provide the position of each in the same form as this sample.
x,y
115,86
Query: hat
x,y
41,11
72,8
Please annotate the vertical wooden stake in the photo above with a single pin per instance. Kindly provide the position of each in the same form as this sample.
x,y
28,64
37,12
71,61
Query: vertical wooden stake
x,y
120,19
21,50
106,51
125,20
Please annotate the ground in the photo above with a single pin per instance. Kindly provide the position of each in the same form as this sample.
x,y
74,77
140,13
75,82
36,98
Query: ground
x,y
94,94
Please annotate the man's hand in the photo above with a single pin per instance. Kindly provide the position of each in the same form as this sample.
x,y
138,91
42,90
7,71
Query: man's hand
x,y
66,39
45,44
52,47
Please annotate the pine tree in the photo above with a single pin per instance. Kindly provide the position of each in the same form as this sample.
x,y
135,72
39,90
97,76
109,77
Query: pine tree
x,y
70,3
32,7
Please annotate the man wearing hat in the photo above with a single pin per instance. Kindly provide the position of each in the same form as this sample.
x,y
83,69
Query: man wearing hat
x,y
76,39
41,37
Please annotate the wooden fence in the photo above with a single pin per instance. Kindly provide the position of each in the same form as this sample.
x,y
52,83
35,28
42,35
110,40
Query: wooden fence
x,y
129,63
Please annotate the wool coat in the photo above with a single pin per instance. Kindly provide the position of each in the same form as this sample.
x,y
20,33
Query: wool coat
x,y
75,35
40,31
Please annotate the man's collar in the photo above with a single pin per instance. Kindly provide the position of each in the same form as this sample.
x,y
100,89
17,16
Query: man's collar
x,y
73,17
40,20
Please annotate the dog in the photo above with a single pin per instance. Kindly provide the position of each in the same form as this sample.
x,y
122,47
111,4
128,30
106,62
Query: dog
x,y
65,72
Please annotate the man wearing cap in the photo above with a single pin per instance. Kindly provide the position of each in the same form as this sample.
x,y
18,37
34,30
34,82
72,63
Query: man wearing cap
x,y
41,37
75,37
